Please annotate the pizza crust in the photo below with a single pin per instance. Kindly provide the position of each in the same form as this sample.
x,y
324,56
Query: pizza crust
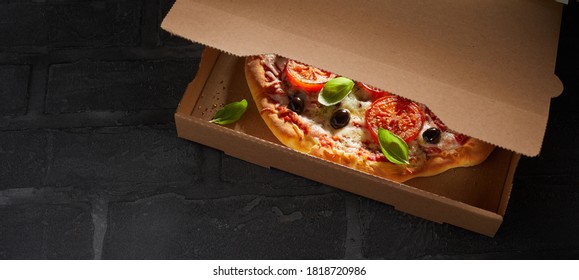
x,y
473,152
287,133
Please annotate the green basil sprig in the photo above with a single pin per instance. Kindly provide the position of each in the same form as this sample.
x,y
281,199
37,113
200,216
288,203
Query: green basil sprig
x,y
335,90
393,147
230,113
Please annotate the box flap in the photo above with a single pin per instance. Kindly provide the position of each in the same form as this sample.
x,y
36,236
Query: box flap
x,y
485,67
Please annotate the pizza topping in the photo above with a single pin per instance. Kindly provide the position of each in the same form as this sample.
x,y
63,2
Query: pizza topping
x,y
432,150
393,147
272,67
307,78
397,115
435,119
271,64
351,121
461,138
335,90
431,135
297,104
290,116
230,113
375,93
354,120
340,118
446,142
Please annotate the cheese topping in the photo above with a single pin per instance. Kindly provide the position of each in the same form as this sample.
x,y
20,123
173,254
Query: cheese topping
x,y
273,67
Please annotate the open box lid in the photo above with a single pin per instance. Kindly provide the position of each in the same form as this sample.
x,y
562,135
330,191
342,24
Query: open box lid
x,y
484,67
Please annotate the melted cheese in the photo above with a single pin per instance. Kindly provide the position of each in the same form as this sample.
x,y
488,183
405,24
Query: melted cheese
x,y
351,138
447,139
273,66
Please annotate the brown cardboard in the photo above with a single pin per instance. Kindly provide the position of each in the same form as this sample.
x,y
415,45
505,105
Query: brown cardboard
x,y
473,198
469,61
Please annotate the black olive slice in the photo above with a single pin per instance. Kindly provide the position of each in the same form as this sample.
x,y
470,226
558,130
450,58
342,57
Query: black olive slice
x,y
340,118
431,135
297,104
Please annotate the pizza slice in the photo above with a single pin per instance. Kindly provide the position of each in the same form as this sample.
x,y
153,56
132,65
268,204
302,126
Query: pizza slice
x,y
357,125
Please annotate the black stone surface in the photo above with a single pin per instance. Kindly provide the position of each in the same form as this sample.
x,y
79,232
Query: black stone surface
x,y
117,85
46,231
70,23
14,89
91,167
242,227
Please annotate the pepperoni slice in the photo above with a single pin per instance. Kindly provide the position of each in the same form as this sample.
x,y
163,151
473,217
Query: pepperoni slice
x,y
376,93
460,138
436,120
396,114
305,77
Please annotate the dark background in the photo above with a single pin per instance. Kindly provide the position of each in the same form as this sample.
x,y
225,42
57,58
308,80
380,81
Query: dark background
x,y
91,168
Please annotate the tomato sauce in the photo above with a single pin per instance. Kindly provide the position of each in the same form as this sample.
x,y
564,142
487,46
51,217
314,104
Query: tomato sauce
x,y
290,116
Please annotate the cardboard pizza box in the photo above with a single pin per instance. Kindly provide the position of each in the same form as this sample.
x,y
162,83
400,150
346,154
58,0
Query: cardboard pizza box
x,y
486,68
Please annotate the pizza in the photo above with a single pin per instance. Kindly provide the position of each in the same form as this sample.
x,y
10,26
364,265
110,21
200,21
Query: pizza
x,y
349,129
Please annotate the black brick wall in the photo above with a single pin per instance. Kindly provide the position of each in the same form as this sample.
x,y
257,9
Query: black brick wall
x,y
46,231
65,24
14,89
91,168
103,85
101,62
88,89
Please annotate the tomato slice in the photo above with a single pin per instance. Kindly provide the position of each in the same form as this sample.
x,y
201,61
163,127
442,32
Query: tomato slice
x,y
396,114
376,93
305,77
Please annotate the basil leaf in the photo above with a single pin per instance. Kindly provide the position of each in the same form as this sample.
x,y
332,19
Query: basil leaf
x,y
335,90
230,113
393,147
